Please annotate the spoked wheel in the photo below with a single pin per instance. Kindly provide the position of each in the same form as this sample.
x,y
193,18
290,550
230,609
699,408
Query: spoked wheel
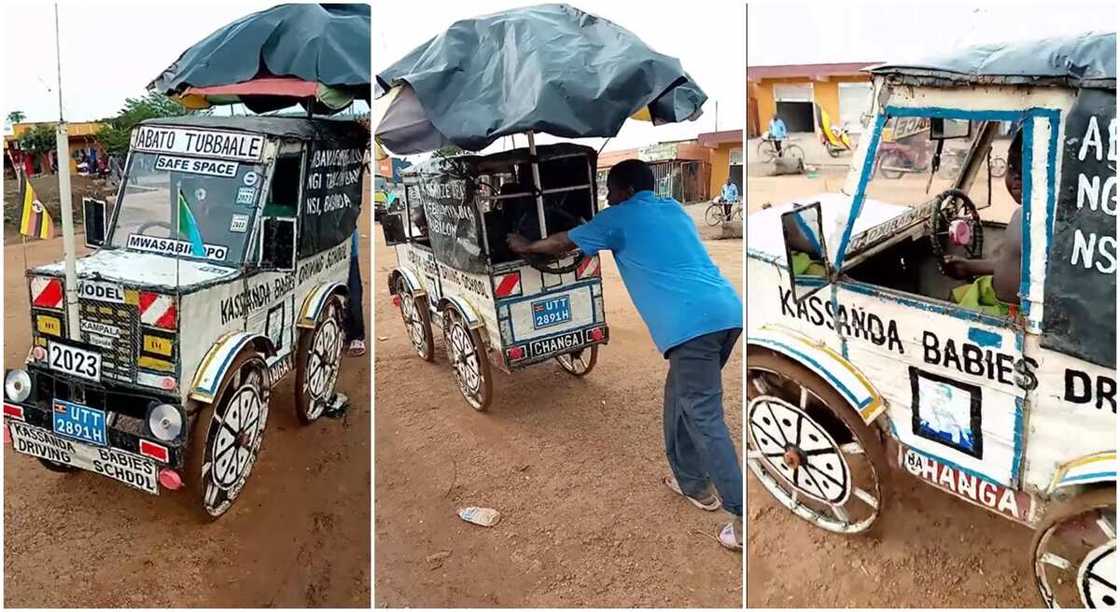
x,y
580,362
892,165
318,358
714,214
468,360
809,449
793,152
766,151
1074,552
227,437
417,320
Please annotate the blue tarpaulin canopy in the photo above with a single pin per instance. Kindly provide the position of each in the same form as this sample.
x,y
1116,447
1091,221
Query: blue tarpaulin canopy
x,y
550,68
1084,61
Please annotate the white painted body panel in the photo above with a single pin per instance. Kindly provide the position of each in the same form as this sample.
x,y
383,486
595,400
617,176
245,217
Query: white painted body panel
x,y
1033,430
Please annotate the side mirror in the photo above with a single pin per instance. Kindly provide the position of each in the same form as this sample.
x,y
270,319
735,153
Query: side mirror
x,y
806,254
949,129
278,243
392,224
94,220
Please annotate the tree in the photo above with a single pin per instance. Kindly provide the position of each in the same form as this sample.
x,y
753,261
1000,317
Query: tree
x,y
114,137
39,139
16,116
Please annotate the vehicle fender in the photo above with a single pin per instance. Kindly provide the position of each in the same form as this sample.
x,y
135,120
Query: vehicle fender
x,y
1094,468
313,303
410,279
826,363
210,374
465,310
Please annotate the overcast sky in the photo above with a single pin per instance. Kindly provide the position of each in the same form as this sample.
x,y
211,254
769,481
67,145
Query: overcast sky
x,y
806,33
706,35
110,50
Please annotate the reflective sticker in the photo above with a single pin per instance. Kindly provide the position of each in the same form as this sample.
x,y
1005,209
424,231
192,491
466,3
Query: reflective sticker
x,y
48,325
239,223
251,178
155,344
200,194
246,195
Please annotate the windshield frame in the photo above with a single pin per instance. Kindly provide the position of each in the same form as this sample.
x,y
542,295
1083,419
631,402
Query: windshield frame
x,y
264,170
841,259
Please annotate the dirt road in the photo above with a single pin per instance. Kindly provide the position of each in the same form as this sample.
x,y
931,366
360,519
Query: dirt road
x,y
932,550
298,536
573,465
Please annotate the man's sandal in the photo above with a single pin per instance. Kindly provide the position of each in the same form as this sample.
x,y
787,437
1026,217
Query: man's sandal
x,y
731,536
709,503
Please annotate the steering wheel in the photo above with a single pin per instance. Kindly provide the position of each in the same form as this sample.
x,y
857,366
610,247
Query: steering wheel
x,y
955,220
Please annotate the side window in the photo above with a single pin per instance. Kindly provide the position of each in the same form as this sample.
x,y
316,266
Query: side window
x,y
283,195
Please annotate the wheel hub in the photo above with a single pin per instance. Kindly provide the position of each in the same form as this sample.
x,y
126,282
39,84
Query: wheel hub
x,y
793,457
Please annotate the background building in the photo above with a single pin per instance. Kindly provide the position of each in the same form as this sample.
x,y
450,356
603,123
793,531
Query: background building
x,y
686,170
789,91
81,135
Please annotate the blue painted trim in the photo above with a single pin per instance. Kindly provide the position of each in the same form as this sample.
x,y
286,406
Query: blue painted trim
x,y
1090,476
983,337
938,112
1017,443
955,466
818,367
861,190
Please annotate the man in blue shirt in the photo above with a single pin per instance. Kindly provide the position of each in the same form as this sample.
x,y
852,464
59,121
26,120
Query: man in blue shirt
x,y
729,194
694,316
777,131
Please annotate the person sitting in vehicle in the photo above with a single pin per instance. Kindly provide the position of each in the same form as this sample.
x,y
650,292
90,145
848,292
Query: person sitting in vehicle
x,y
997,287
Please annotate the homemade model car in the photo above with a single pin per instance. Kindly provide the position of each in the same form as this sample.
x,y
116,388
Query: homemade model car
x,y
862,357
223,268
454,268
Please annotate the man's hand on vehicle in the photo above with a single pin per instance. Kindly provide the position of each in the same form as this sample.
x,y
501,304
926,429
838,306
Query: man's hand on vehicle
x,y
517,243
556,244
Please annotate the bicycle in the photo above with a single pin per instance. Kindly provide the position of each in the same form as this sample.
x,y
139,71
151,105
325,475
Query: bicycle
x,y
717,212
768,150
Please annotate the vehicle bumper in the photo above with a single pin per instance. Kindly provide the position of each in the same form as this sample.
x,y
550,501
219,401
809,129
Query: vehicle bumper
x,y
132,454
544,349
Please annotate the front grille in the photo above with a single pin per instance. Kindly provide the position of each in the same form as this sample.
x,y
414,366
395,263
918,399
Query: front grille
x,y
114,328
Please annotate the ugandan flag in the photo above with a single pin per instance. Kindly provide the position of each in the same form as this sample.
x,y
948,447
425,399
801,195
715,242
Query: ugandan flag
x,y
34,221
188,226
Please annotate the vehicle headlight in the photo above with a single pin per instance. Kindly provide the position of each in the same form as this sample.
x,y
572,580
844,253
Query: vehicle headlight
x,y
17,385
165,422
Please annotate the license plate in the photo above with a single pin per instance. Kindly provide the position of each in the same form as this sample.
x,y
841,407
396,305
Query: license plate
x,y
79,422
553,311
556,344
133,470
74,361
